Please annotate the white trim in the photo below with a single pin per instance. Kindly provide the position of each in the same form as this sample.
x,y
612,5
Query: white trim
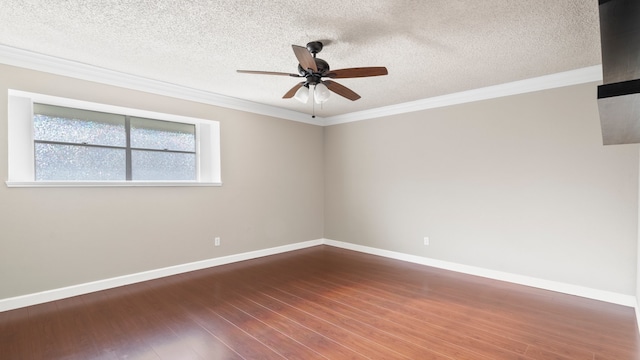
x,y
50,64
638,312
77,184
20,142
590,293
567,78
94,106
638,266
21,154
209,166
40,62
74,290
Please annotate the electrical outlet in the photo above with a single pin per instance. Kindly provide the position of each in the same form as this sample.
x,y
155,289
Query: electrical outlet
x,y
216,241
426,240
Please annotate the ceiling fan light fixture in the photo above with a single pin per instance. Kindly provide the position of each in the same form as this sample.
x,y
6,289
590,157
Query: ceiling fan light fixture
x,y
313,70
321,93
302,94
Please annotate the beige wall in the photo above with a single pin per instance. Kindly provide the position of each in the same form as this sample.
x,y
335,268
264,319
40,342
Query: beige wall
x,y
54,237
519,184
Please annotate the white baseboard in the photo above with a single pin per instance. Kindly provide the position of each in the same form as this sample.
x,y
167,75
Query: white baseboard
x,y
69,291
638,312
602,295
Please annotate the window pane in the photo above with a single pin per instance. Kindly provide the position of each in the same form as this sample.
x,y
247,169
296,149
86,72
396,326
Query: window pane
x,y
159,165
60,124
72,162
162,135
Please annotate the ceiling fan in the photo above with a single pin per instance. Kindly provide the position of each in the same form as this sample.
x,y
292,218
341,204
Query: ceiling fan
x,y
314,69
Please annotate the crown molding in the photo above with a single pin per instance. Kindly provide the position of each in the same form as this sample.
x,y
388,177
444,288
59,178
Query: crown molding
x,y
50,64
562,79
54,65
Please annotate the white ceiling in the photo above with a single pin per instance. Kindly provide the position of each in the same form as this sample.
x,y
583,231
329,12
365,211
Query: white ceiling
x,y
430,48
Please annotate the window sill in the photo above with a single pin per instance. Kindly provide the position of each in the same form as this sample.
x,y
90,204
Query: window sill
x,y
36,184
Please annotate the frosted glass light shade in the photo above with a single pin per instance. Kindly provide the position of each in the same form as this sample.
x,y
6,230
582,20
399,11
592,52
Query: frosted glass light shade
x,y
321,93
302,94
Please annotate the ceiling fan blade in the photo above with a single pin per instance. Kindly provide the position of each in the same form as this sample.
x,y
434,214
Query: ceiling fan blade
x,y
266,73
304,57
357,72
293,90
341,90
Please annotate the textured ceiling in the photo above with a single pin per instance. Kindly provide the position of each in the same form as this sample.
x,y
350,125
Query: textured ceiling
x,y
430,48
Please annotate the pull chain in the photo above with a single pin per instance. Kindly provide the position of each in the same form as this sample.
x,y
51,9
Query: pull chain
x,y
313,101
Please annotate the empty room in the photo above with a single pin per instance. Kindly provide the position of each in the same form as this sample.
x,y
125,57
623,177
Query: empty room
x,y
304,180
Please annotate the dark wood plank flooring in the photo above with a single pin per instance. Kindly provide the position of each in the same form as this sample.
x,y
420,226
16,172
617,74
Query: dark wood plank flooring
x,y
321,303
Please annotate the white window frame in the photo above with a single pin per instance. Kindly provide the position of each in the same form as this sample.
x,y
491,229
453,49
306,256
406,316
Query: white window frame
x,y
21,143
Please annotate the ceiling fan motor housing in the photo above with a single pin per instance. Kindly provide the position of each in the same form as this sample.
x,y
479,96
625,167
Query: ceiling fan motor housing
x,y
323,67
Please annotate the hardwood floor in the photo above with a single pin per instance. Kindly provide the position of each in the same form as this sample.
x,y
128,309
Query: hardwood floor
x,y
321,303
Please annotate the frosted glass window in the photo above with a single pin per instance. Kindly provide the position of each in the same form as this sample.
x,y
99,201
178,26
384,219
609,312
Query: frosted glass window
x,y
56,162
54,141
84,145
161,165
67,125
162,135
